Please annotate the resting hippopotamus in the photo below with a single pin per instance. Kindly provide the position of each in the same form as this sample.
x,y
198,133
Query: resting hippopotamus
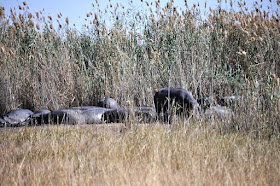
x,y
98,115
85,108
142,114
68,116
2,122
40,117
145,114
17,117
229,101
108,103
87,115
206,102
219,112
116,115
183,99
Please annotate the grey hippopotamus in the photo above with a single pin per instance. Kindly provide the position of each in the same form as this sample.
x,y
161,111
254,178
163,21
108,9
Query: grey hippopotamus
x,y
67,116
145,114
141,114
165,98
206,102
219,112
40,117
17,117
109,103
229,101
98,115
87,115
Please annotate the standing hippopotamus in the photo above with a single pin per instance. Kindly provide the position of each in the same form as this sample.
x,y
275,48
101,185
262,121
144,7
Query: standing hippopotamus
x,y
183,100
108,103
17,117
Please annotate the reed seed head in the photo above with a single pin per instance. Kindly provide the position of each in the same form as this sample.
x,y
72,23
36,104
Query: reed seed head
x,y
38,26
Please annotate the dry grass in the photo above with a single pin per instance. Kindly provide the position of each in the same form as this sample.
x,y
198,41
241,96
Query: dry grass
x,y
143,155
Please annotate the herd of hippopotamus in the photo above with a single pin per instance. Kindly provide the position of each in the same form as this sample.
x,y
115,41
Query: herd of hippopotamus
x,y
168,102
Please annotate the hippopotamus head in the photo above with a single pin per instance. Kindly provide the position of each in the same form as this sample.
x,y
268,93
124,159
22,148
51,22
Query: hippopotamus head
x,y
108,103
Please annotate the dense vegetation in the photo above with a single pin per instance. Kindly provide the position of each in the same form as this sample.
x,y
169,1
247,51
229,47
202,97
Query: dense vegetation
x,y
228,52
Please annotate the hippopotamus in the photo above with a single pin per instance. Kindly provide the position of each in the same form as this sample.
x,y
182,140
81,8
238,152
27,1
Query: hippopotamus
x,y
40,117
100,115
88,115
86,108
116,115
219,112
68,116
229,101
17,117
108,103
142,114
183,100
206,102
145,114
2,122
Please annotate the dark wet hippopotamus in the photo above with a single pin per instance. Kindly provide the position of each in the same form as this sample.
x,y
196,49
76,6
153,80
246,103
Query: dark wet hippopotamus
x,y
206,102
109,103
17,117
166,98
218,112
